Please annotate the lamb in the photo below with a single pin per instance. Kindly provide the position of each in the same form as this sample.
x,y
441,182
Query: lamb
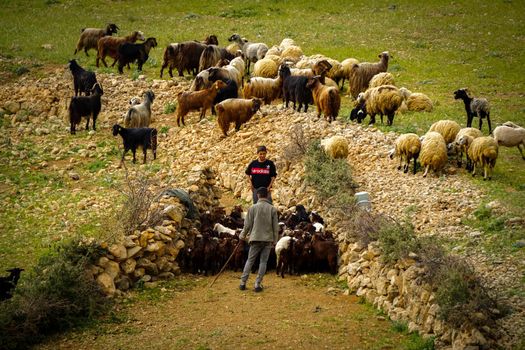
x,y
326,98
483,152
137,137
510,135
83,80
109,45
433,152
89,37
267,89
182,56
265,68
139,116
195,100
85,106
475,107
336,147
382,100
383,78
283,248
8,284
407,147
294,89
447,128
416,101
252,51
463,140
236,110
129,53
361,73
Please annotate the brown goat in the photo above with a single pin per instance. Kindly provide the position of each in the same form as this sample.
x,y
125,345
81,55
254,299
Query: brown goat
x,y
236,110
326,98
325,252
195,100
108,46
182,56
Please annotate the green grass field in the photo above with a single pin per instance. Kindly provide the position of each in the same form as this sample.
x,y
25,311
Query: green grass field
x,y
437,47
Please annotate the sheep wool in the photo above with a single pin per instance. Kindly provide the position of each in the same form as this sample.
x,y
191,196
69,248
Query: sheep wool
x,y
267,89
483,152
510,135
382,100
433,154
274,50
447,128
361,73
292,53
265,68
383,78
286,42
407,146
462,143
335,147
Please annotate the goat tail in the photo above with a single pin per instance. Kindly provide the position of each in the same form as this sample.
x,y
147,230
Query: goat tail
x,y
127,118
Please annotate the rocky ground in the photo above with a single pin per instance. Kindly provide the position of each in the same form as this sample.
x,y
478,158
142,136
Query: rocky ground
x,y
34,109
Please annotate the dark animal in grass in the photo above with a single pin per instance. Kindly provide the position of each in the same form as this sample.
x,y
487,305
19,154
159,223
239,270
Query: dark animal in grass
x,y
83,80
182,56
129,53
89,37
137,137
85,106
8,284
294,89
475,107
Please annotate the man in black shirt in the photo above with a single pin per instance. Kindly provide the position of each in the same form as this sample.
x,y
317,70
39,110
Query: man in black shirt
x,y
261,173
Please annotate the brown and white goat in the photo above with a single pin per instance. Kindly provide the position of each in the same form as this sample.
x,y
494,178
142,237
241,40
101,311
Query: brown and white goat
x,y
108,46
197,100
326,98
236,110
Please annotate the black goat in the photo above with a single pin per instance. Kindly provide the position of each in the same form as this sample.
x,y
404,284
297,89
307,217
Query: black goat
x,y
475,107
83,80
137,137
85,106
129,53
8,284
294,89
230,91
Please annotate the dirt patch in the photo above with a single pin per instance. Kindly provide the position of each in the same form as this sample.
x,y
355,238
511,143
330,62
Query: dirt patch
x,y
294,312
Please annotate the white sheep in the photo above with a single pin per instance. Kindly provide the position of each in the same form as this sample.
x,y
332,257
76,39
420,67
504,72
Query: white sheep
x,y
447,128
252,51
407,147
139,116
335,147
510,135
223,229
346,68
483,152
433,152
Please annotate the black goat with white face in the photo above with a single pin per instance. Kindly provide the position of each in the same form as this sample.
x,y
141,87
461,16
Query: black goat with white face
x,y
85,106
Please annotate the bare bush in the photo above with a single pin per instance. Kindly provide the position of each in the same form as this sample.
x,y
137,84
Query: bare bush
x,y
364,226
140,209
298,144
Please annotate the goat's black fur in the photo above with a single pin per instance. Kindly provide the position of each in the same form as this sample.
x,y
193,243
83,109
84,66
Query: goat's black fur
x,y
8,284
129,53
85,106
294,89
475,107
83,80
137,137
230,91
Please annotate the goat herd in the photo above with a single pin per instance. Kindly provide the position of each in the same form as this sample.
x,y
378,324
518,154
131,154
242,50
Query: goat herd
x,y
304,244
282,71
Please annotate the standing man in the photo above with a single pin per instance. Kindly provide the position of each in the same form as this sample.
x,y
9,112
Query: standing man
x,y
261,173
262,228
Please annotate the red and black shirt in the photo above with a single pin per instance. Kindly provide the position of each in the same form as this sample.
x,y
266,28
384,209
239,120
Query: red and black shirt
x,y
261,173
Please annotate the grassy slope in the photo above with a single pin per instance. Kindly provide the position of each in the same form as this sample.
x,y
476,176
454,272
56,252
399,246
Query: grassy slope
x,y
437,48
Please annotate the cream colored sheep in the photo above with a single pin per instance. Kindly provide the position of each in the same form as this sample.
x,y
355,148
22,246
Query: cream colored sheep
x,y
433,154
382,100
274,50
361,73
286,42
462,142
346,67
267,89
233,48
447,128
335,147
265,68
292,53
416,101
483,152
510,135
277,59
407,147
380,79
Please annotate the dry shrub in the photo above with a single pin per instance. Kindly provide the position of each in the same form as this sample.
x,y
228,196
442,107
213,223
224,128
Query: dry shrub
x,y
364,226
140,208
297,146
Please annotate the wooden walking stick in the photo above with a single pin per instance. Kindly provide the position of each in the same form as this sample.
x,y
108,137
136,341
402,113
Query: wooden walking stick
x,y
225,264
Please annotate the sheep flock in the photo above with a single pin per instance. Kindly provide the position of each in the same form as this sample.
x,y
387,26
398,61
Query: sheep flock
x,y
283,73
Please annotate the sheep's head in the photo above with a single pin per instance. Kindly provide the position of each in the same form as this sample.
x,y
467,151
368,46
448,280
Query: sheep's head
x,y
313,81
235,37
256,104
134,101
151,42
111,29
211,40
116,129
384,55
97,89
461,94
149,95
